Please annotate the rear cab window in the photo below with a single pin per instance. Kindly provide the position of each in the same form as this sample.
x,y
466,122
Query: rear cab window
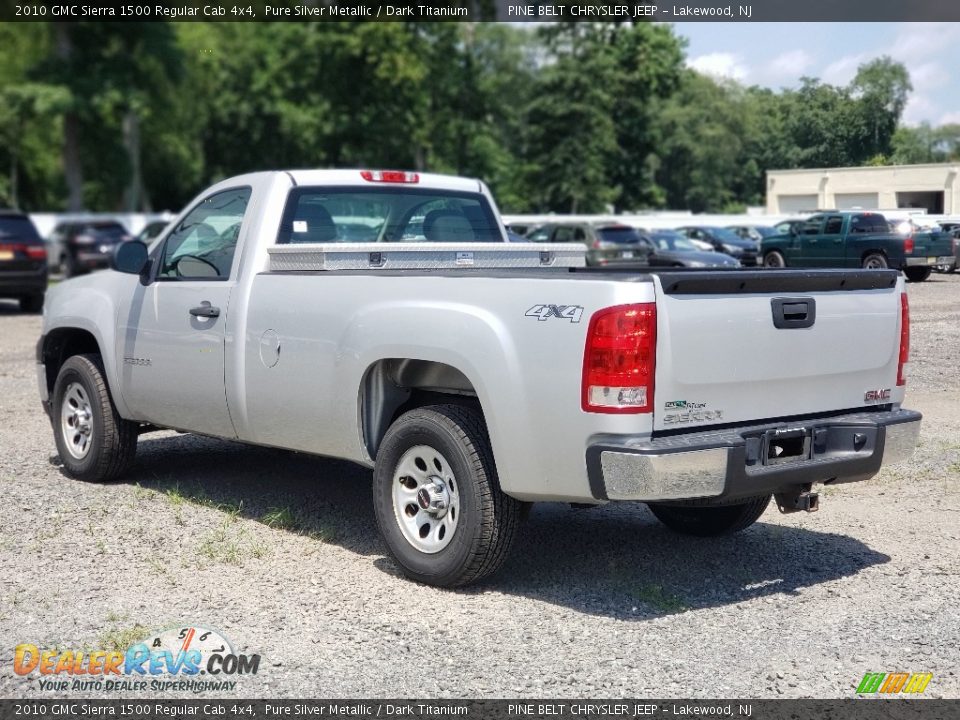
x,y
368,214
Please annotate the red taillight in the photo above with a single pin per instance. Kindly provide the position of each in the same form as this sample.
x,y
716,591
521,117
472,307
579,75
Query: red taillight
x,y
908,245
34,252
389,176
904,340
619,360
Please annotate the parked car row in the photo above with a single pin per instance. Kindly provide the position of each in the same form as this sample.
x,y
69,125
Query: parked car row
x,y
617,244
840,239
74,247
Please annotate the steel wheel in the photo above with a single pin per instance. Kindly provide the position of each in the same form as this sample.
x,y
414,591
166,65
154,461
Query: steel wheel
x,y
774,259
76,421
426,499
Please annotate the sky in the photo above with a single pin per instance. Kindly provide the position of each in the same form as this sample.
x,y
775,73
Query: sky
x,y
777,54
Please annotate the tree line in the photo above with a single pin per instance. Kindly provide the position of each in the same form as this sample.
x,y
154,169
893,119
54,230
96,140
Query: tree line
x,y
567,117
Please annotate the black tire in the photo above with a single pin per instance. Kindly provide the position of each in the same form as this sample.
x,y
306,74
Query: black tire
x,y
32,303
69,266
917,274
774,259
875,261
113,440
488,519
710,520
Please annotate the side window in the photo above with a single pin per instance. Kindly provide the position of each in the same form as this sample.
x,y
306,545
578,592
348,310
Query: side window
x,y
834,225
202,245
541,235
812,226
579,235
868,224
563,234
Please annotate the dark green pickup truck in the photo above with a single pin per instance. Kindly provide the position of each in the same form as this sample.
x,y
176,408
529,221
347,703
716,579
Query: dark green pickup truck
x,y
853,240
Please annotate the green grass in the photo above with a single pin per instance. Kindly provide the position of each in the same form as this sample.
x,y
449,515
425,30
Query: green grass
x,y
659,599
283,518
222,545
122,638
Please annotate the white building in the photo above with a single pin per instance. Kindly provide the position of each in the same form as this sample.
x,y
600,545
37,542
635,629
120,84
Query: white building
x,y
935,187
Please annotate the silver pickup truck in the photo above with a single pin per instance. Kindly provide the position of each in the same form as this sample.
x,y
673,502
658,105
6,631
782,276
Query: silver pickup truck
x,y
382,318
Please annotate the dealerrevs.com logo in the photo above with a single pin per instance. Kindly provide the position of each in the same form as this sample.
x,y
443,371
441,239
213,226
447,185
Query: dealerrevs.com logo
x,y
192,658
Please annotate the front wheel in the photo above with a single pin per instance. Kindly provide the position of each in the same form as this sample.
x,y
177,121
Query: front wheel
x,y
94,442
709,521
437,497
917,274
774,259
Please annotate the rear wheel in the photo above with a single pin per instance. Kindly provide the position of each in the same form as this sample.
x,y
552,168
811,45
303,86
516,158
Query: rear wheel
x,y
437,497
32,303
710,520
917,274
94,442
774,259
875,261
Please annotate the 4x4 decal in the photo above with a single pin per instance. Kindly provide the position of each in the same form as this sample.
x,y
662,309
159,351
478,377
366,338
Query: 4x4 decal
x,y
573,313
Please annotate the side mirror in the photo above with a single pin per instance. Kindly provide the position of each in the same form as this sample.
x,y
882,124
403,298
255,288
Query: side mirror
x,y
130,257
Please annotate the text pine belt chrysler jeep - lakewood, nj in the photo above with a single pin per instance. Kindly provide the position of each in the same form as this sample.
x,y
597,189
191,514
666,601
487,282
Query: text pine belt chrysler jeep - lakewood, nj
x,y
381,317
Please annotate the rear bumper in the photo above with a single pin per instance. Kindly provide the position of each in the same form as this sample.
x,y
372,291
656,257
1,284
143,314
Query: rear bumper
x,y
740,462
92,259
928,261
23,282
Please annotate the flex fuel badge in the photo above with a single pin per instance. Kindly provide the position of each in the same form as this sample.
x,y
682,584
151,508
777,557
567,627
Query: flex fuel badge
x,y
678,412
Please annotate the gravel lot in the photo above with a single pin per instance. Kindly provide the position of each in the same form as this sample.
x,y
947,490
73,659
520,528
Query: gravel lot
x,y
280,552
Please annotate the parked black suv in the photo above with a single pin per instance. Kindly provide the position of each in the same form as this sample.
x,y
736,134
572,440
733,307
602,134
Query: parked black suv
x,y
23,261
77,247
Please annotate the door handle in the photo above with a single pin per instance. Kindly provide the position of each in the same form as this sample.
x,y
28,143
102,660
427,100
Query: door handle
x,y
838,241
206,311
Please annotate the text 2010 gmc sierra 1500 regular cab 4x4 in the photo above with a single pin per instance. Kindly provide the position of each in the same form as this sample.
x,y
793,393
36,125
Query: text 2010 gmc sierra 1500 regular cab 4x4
x,y
370,316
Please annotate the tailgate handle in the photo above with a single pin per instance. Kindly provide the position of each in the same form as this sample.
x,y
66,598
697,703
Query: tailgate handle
x,y
793,313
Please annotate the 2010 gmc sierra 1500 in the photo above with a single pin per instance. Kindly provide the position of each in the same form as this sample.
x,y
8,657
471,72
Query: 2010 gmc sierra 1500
x,y
382,318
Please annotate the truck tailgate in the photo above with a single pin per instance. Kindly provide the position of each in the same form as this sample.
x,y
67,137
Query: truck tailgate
x,y
745,346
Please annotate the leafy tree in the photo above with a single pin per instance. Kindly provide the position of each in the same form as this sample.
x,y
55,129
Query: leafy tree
x,y
880,89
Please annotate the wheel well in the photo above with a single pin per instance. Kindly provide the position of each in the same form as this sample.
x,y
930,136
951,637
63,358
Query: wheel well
x,y
393,386
875,251
61,344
